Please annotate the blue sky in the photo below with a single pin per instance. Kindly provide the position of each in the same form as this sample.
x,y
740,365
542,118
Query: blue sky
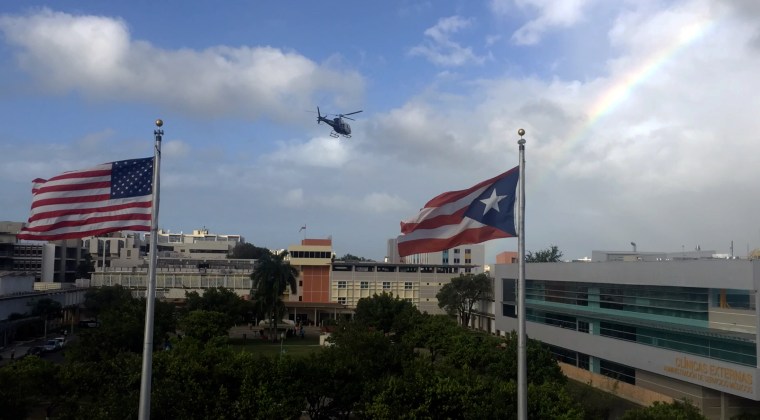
x,y
640,115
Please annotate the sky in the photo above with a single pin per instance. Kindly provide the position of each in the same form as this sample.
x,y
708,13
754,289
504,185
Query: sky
x,y
641,117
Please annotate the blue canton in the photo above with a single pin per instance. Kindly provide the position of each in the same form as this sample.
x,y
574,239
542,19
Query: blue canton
x,y
502,218
131,178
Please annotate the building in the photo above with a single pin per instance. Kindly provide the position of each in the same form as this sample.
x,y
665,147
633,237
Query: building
x,y
647,328
199,245
465,255
55,261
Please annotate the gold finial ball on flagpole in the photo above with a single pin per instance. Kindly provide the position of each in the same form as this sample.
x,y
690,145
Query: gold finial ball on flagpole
x,y
159,122
521,132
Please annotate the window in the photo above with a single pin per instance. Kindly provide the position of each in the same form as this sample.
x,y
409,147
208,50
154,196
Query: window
x,y
583,326
341,284
342,300
365,285
386,285
456,251
456,260
408,285
468,260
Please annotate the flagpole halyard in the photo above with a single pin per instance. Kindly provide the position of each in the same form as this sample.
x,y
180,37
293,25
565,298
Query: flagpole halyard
x,y
150,304
522,369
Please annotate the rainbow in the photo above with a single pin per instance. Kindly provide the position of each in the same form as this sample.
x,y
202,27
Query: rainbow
x,y
621,89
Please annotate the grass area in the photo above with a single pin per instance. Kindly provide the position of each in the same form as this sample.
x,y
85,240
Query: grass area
x,y
295,346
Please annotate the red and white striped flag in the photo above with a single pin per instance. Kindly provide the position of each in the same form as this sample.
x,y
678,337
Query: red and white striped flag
x,y
106,198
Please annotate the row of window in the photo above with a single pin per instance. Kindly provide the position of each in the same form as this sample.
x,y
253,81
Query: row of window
x,y
715,347
343,300
343,284
394,268
311,254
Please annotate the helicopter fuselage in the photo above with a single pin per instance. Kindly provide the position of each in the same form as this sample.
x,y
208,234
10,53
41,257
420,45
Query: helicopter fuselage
x,y
341,127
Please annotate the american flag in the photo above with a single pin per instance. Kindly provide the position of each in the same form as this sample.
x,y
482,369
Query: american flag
x,y
480,213
106,198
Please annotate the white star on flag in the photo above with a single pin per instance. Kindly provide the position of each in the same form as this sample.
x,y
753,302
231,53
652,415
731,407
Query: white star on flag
x,y
492,202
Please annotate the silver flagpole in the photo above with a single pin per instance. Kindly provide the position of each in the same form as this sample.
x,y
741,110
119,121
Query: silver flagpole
x,y
522,366
150,304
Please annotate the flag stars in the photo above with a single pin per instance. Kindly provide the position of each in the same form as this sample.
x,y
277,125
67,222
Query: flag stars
x,y
492,202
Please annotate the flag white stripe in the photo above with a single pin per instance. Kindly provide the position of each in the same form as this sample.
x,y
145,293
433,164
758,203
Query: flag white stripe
x,y
442,232
90,205
71,194
448,208
91,227
78,217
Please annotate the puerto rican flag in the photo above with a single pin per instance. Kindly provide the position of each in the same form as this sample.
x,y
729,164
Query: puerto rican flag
x,y
480,213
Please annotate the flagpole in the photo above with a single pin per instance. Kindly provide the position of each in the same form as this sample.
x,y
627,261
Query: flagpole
x,y
150,304
522,369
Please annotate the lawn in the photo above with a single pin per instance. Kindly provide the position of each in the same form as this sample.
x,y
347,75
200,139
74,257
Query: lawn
x,y
295,346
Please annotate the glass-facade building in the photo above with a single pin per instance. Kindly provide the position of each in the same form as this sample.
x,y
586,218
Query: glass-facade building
x,y
684,329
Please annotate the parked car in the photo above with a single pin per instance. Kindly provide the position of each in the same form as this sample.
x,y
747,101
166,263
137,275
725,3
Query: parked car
x,y
50,345
61,341
35,351
89,324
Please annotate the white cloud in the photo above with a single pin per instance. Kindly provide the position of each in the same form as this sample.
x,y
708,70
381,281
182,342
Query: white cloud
x,y
550,14
175,148
325,152
441,50
96,56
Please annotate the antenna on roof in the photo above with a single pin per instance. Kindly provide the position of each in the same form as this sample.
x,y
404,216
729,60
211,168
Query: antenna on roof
x,y
633,244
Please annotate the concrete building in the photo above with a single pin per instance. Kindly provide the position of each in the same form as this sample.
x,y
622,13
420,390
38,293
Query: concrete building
x,y
55,261
647,327
200,244
465,255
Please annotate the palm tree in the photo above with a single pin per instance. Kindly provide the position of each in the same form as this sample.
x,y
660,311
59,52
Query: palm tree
x,y
271,275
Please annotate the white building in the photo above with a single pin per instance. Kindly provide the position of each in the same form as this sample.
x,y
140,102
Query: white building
x,y
647,328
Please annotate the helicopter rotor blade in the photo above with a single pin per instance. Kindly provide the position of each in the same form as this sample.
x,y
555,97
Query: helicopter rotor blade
x,y
351,113
348,118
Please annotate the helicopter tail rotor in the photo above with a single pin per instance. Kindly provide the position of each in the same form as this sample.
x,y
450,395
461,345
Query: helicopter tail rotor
x,y
319,116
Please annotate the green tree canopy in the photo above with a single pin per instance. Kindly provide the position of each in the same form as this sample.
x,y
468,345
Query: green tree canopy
x,y
247,251
551,254
351,257
219,299
459,297
386,313
204,325
678,410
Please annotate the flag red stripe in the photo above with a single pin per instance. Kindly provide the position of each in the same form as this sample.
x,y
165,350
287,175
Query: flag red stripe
x,y
469,236
452,196
103,209
81,233
70,200
435,222
88,221
86,173
74,187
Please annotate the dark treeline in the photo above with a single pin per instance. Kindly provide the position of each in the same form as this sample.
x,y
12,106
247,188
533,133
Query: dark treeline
x,y
390,362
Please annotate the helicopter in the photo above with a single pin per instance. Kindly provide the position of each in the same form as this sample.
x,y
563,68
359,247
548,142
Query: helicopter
x,y
340,127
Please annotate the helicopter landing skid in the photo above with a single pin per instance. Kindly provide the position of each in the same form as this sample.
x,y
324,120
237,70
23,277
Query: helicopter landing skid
x,y
334,134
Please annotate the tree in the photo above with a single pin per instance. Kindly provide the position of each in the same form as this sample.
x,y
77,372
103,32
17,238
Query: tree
x,y
219,299
351,257
664,411
246,251
271,275
205,325
386,313
46,309
460,295
551,254
85,267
